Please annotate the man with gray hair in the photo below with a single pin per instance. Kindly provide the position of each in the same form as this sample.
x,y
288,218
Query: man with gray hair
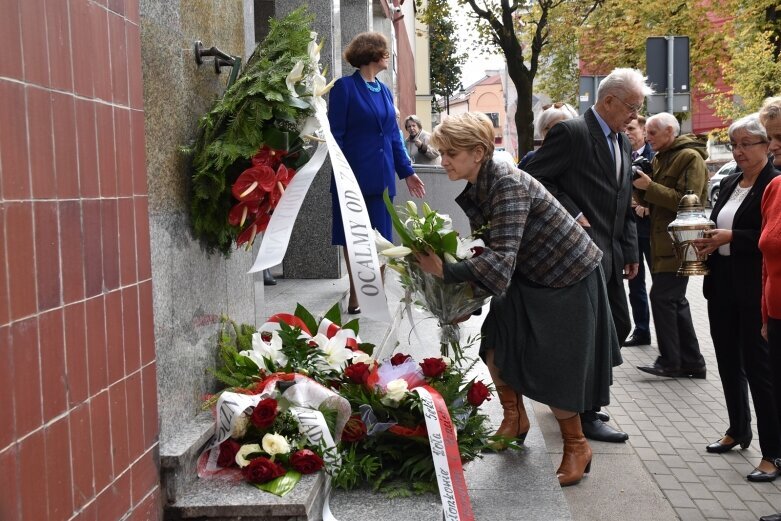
x,y
679,165
585,163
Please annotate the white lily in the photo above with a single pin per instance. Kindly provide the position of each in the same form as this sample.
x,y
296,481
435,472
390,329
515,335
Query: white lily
x,y
380,242
314,48
262,349
274,444
334,349
396,252
361,357
412,208
244,451
294,76
320,86
450,259
464,248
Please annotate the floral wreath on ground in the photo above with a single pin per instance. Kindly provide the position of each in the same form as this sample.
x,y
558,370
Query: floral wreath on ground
x,y
382,440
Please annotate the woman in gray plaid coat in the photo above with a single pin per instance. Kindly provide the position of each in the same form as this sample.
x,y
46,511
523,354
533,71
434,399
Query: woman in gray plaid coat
x,y
549,334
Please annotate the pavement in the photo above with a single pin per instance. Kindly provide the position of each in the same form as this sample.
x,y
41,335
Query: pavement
x,y
662,472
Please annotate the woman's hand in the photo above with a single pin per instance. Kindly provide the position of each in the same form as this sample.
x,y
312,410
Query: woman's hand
x,y
712,240
430,263
415,186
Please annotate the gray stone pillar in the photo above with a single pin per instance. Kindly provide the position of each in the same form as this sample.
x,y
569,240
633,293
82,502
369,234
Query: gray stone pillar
x,y
310,254
356,17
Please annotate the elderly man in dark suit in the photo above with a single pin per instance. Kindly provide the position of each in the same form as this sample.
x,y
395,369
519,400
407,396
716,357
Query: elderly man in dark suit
x,y
585,163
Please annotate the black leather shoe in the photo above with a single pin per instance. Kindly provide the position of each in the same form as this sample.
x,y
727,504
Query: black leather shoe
x,y
637,340
720,448
268,278
771,517
658,370
605,417
758,476
597,430
699,372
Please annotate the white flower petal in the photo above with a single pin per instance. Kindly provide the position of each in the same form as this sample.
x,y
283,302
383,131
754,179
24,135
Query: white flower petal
x,y
275,444
396,252
244,451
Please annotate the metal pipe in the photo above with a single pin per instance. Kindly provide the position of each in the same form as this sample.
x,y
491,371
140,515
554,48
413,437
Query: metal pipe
x,y
670,73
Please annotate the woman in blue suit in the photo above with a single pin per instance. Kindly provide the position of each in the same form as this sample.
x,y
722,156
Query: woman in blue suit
x,y
363,121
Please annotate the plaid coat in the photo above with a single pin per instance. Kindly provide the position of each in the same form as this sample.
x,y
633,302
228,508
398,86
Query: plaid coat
x,y
528,234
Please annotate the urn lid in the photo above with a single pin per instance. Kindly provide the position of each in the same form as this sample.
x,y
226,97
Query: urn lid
x,y
690,202
691,214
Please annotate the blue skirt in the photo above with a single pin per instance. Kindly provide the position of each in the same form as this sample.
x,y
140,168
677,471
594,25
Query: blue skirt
x,y
378,215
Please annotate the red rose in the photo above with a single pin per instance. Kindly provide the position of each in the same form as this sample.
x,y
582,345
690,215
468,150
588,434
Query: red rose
x,y
264,414
306,462
399,358
354,430
357,373
433,367
262,470
477,394
228,450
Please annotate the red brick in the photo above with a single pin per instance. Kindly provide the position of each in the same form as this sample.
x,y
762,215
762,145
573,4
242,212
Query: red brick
x,y
87,146
7,428
71,251
81,455
82,38
51,343
100,53
135,78
36,52
39,123
76,353
144,476
90,513
119,421
131,333
114,502
138,152
13,141
110,248
118,51
65,151
150,509
96,345
101,440
149,393
135,417
58,471
27,376
124,171
143,247
132,13
146,321
127,242
114,345
47,258
11,43
58,36
32,481
93,248
118,6
107,167
9,483
5,311
20,259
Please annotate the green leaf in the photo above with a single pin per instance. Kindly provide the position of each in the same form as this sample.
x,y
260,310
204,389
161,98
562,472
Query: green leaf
x,y
403,233
304,314
334,315
450,242
281,485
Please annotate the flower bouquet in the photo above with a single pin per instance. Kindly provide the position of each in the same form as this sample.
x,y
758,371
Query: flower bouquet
x,y
433,232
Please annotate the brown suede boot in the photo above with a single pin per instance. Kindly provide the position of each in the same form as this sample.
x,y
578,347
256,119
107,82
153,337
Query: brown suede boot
x,y
515,423
576,459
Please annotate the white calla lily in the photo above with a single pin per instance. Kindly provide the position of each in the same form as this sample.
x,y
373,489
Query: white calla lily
x,y
396,252
295,76
381,243
244,451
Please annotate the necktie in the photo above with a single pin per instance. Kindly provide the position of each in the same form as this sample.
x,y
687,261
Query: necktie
x,y
616,154
635,155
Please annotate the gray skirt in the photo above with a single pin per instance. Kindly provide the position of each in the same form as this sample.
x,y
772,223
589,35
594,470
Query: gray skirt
x,y
558,346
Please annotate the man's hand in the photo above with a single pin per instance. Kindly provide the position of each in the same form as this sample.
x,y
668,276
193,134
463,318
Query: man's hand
x,y
641,211
415,186
642,182
583,221
631,270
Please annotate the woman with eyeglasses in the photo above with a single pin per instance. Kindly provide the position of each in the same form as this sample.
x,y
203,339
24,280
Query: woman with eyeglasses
x,y
363,121
418,143
550,115
734,289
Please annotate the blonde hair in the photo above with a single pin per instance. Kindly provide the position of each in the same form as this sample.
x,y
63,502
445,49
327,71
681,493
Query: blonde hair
x,y
771,109
465,131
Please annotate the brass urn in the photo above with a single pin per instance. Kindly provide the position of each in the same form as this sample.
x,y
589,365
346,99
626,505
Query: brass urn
x,y
690,223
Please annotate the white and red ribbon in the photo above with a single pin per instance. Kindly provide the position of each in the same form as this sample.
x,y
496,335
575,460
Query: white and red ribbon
x,y
442,437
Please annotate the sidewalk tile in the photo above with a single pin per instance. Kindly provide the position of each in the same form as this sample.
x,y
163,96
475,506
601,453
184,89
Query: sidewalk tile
x,y
711,509
679,499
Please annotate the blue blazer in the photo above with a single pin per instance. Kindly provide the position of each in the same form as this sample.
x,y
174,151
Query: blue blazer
x,y
372,145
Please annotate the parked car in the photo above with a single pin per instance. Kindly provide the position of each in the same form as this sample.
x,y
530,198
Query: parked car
x,y
714,184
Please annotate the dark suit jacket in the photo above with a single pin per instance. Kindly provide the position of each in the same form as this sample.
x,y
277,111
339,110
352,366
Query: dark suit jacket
x,y
371,144
745,260
575,164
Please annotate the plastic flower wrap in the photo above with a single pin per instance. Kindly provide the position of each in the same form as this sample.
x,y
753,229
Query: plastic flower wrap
x,y
432,231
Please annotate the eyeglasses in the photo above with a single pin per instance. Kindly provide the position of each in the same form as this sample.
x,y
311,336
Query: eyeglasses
x,y
742,146
634,109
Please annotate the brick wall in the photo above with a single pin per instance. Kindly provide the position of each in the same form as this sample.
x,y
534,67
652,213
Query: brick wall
x,y
79,428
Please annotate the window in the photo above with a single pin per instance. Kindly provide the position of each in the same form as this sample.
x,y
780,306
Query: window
x,y
494,116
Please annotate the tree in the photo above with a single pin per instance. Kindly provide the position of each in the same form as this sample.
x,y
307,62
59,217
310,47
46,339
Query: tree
x,y
444,61
523,31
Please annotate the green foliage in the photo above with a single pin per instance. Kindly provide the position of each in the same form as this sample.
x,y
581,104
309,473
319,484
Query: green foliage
x,y
234,370
256,110
444,61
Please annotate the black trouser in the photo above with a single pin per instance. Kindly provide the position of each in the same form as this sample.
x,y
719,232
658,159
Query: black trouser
x,y
638,296
774,348
678,345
